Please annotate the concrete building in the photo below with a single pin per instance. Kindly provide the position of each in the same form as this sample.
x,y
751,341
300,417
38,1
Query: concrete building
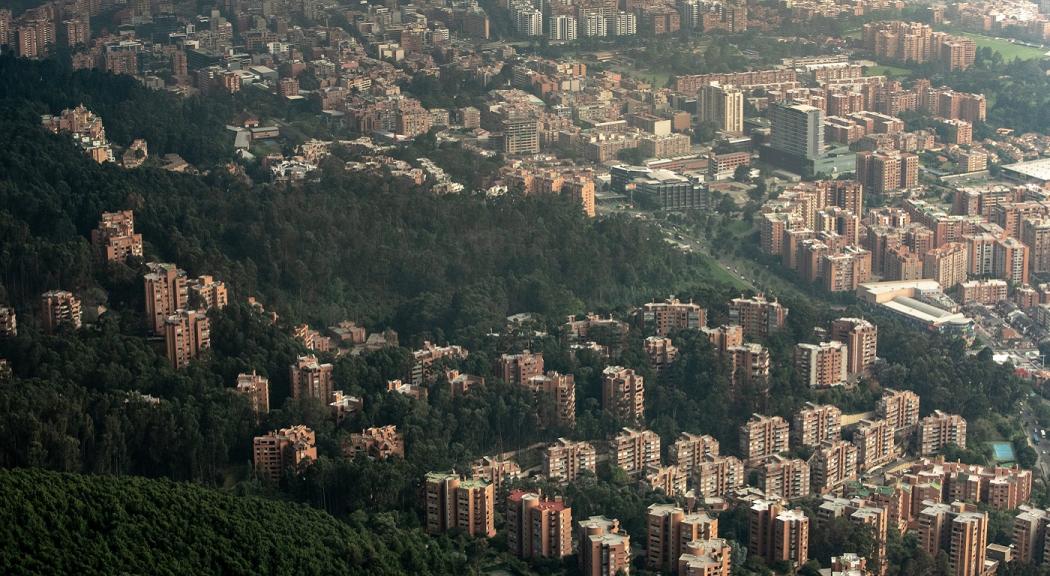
x,y
961,531
861,339
798,131
256,389
555,395
1029,535
712,557
115,239
451,502
208,293
749,368
947,264
723,106
939,430
763,436
884,173
603,549
623,394
376,443
282,449
814,424
899,408
186,334
665,317
59,309
636,450
497,471
822,365
725,336
776,534
670,529
689,450
832,465
564,460
519,368
875,444
757,316
718,476
660,352
166,292
538,527
311,379
787,478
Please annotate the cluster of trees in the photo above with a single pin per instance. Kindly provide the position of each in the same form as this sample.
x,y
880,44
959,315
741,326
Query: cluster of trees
x,y
55,523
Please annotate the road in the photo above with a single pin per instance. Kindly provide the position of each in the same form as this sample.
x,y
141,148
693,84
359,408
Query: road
x,y
1031,428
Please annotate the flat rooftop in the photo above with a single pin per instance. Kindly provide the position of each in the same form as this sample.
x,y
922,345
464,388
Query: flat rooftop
x,y
1032,170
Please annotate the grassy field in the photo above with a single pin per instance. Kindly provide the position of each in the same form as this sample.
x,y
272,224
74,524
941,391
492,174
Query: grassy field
x,y
1008,49
889,71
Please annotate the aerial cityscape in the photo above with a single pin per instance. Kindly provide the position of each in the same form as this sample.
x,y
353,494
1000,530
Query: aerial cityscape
x,y
525,287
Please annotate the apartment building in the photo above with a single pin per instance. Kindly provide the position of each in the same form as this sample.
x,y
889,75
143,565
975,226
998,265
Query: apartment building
x,y
167,291
186,334
8,321
832,465
814,424
538,527
564,460
787,478
749,368
662,318
282,449
636,450
623,394
115,239
712,557
376,443
59,309
939,430
757,316
899,408
256,389
604,550
669,530
861,339
763,436
690,449
555,395
660,352
718,476
822,365
311,379
451,502
207,293
875,444
777,534
961,531
519,368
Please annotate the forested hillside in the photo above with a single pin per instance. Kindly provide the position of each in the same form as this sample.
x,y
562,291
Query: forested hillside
x,y
54,523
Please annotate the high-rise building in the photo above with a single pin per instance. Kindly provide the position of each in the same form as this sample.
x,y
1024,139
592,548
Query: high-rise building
x,y
186,334
947,264
1029,535
723,106
636,450
814,424
311,379
788,478
798,131
690,449
670,529
208,293
660,352
564,460
711,557
279,450
875,444
757,316
520,133
960,530
665,317
861,339
555,395
776,534
497,471
623,394
763,436
451,502
885,172
832,465
821,365
256,389
1010,260
562,28
59,309
899,408
717,476
115,238
725,336
749,368
166,293
604,550
518,368
538,527
939,430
